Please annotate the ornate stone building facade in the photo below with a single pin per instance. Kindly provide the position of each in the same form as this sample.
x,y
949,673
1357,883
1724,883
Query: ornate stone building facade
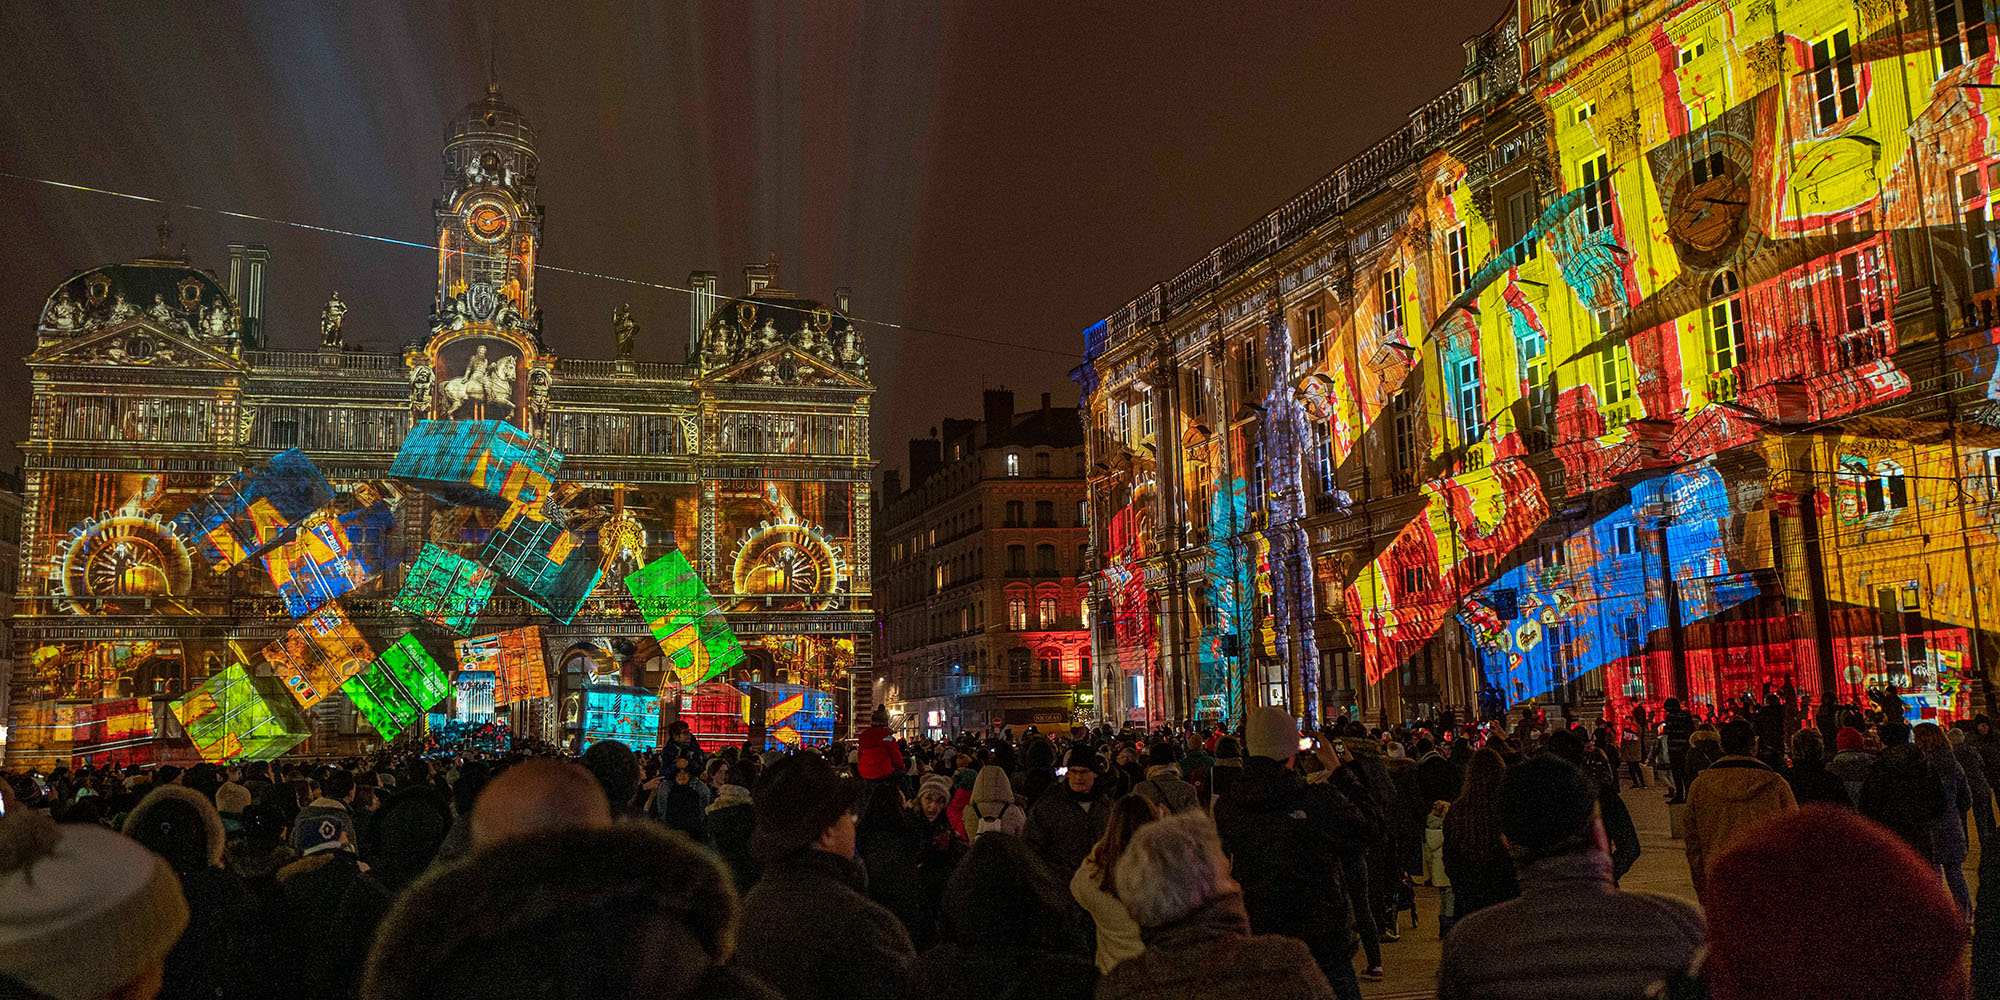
x,y
152,384
1653,359
983,617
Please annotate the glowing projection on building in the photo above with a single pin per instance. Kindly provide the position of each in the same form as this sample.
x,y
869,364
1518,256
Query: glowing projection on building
x,y
542,559
254,510
445,589
482,463
327,556
795,714
230,718
694,636
318,655
514,658
396,690
627,714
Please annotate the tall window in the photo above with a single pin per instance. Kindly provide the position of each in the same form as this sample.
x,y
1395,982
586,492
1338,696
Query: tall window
x,y
1195,394
1466,399
1045,612
1625,539
1082,513
1017,613
1124,422
1045,513
1083,613
1405,414
1901,610
1615,373
1016,513
1018,669
1392,300
1974,199
1888,489
1013,464
1146,416
1313,325
1322,455
1836,86
1017,559
1043,464
1045,559
1522,214
1728,339
1257,480
1458,260
1961,31
1594,175
1858,307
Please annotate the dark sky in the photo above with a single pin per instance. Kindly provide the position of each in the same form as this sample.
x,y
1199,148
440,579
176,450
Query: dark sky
x,y
1008,171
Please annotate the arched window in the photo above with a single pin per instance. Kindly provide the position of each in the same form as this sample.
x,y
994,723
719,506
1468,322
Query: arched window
x,y
1017,613
1045,612
1013,464
1728,335
1048,664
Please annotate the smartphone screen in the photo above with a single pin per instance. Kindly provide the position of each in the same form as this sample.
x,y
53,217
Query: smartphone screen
x,y
1305,743
1062,772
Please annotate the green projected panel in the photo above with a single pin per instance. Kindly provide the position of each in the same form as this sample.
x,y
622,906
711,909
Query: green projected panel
x,y
229,718
446,589
398,688
693,634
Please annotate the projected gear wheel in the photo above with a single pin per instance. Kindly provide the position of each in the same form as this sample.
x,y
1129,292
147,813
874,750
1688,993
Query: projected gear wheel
x,y
122,555
788,559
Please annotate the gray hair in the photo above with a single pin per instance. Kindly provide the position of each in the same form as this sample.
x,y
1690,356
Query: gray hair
x,y
1172,867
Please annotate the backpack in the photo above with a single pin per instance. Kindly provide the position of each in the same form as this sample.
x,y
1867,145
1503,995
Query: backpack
x,y
989,824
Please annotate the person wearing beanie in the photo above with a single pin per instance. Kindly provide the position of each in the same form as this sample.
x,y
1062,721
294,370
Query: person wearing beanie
x,y
880,758
1902,793
1163,784
1298,847
1572,932
621,911
811,881
230,801
85,914
1174,877
1065,823
179,824
1769,895
1731,796
1851,761
938,784
326,911
991,806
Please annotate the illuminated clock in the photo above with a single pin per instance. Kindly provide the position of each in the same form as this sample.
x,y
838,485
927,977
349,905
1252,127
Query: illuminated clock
x,y
487,222
119,555
789,562
1708,214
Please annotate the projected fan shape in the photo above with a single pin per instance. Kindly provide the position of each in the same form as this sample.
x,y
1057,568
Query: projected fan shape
x,y
787,558
121,555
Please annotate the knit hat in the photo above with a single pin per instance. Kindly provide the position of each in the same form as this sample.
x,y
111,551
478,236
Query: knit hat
x,y
232,798
318,832
1272,733
83,911
1768,895
1956,737
1849,738
1083,758
963,778
796,801
935,783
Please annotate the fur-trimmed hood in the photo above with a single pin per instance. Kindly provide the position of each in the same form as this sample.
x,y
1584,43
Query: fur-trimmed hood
x,y
167,831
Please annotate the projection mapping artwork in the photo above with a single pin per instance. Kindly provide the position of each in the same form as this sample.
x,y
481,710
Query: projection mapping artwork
x,y
254,510
318,655
627,714
694,636
514,658
795,714
543,560
230,718
483,463
326,557
398,688
445,589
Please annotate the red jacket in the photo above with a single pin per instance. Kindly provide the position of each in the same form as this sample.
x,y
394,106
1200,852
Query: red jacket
x,y
880,756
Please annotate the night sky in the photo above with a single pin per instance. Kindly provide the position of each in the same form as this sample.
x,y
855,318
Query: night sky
x,y
1007,171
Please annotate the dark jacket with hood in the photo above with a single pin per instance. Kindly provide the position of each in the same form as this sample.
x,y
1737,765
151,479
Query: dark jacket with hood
x,y
181,825
1285,839
1812,782
1902,793
1213,954
323,922
1061,829
1007,932
1438,779
811,932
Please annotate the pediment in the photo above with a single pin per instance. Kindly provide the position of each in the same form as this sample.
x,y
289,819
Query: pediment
x,y
139,341
790,367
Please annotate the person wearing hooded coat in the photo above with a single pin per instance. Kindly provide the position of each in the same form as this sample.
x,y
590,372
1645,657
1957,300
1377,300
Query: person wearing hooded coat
x,y
887,841
730,821
1851,761
1006,931
1729,798
1163,785
1038,768
404,837
1903,793
1951,845
182,826
992,804
1065,823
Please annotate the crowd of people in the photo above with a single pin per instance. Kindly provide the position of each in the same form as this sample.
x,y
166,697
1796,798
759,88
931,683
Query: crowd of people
x,y
1194,862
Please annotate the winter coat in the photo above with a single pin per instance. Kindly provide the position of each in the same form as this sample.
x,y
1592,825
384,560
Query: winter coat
x,y
1438,780
1704,749
1812,782
1726,800
730,820
1061,830
1285,839
327,911
1851,767
1006,920
1477,880
208,956
1957,798
1678,729
1434,851
1211,954
1974,767
1163,787
1406,819
954,810
880,756
1902,793
810,932
1571,934
888,850
1989,752
1371,766
992,798
1117,933
1630,752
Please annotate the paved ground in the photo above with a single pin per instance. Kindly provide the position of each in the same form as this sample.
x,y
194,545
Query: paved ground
x,y
1411,964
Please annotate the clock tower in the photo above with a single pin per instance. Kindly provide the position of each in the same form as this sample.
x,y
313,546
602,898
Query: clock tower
x,y
489,225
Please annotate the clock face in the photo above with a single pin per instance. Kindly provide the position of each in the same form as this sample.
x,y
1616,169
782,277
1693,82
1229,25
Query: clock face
x,y
1709,213
487,222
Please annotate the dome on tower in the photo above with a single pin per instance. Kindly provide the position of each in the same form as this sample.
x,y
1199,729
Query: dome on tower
x,y
490,120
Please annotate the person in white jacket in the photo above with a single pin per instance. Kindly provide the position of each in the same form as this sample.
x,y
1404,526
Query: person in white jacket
x,y
1093,886
992,805
1434,864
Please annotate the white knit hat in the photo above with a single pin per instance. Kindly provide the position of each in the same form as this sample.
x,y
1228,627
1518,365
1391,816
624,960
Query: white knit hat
x,y
1271,732
83,911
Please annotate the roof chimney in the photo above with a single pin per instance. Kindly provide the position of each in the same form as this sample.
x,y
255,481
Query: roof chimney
x,y
999,414
701,306
247,264
892,484
758,277
926,457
